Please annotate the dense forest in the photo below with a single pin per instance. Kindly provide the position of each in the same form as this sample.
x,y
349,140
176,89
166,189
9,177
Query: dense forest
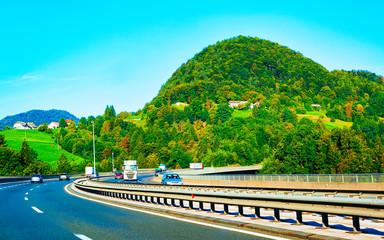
x,y
205,129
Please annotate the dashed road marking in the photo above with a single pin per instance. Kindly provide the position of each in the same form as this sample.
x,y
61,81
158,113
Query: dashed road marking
x,y
82,237
26,199
37,210
26,193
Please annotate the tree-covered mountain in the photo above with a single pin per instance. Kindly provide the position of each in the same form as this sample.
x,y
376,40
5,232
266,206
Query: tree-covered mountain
x,y
38,117
252,69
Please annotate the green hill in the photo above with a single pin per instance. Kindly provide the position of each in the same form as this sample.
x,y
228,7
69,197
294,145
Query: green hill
x,y
257,70
41,142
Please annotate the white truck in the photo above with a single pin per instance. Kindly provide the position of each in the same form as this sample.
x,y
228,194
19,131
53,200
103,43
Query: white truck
x,y
130,170
163,167
89,172
196,166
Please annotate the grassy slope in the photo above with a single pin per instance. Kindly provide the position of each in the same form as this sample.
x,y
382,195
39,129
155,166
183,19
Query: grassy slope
x,y
42,143
315,115
312,115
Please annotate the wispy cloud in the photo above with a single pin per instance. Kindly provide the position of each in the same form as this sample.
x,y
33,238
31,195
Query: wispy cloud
x,y
22,80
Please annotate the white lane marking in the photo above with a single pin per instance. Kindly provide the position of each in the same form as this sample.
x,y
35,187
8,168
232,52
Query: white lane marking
x,y
26,193
82,237
37,210
180,219
31,189
26,199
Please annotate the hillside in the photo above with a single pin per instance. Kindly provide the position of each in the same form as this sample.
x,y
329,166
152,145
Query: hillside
x,y
256,70
41,142
38,117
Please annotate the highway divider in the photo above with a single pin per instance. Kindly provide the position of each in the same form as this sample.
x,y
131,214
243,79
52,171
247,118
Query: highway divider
x,y
187,196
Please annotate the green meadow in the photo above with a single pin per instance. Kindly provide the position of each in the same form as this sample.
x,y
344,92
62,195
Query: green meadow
x,y
42,143
311,115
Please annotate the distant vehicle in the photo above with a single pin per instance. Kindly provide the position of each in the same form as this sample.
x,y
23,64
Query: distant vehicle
x,y
196,166
118,175
157,171
36,178
130,170
63,176
171,179
89,171
163,167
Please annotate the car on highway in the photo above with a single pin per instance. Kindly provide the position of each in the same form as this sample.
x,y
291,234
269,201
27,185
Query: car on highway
x,y
171,179
118,175
36,178
63,176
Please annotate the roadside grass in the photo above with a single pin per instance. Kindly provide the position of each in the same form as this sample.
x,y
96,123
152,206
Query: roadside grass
x,y
45,146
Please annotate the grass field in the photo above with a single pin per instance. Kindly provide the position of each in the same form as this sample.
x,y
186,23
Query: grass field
x,y
42,143
315,115
311,115
242,113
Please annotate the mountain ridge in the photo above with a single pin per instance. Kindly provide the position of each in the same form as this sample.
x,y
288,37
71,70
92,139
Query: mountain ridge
x,y
38,117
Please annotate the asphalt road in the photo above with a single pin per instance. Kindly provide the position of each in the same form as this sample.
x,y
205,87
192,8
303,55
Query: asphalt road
x,y
46,211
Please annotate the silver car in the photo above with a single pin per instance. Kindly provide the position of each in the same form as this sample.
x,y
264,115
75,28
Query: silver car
x,y
171,179
36,178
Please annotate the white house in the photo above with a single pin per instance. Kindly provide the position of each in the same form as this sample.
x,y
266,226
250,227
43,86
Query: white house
x,y
316,105
53,125
233,104
31,125
180,104
20,125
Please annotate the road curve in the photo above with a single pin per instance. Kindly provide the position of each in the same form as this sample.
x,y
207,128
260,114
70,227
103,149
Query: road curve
x,y
46,211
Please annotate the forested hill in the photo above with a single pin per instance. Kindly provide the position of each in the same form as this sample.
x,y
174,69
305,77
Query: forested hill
x,y
252,69
38,117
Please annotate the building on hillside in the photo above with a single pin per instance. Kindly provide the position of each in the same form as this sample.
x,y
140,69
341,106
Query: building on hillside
x,y
53,125
316,105
68,121
234,104
31,125
180,104
20,125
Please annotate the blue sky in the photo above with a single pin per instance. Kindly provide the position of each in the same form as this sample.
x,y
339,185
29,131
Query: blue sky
x,y
81,56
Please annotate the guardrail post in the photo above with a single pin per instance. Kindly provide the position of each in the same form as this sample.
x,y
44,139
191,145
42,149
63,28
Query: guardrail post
x,y
299,217
226,211
173,202
190,204
213,207
201,206
181,203
257,212
324,220
276,214
241,210
356,224
153,199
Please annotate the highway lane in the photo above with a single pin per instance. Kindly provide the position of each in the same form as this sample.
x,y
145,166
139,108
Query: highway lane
x,y
58,215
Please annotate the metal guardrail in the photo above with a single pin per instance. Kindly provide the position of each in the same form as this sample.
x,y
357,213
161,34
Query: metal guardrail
x,y
160,194
319,178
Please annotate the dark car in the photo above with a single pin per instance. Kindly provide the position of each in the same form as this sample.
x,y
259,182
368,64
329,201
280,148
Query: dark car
x,y
64,176
171,179
36,178
118,175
